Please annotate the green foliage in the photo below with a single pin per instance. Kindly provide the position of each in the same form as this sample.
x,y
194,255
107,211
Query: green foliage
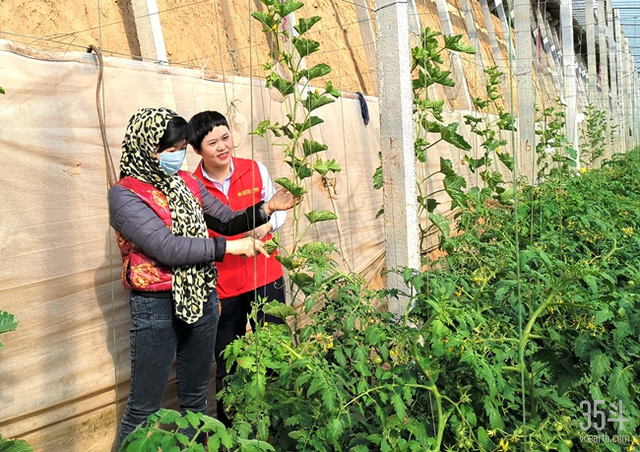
x,y
170,431
532,312
593,135
430,126
14,445
557,159
490,130
8,323
332,384
302,154
488,122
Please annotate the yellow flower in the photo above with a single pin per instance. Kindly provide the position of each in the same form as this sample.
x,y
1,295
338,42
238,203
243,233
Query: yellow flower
x,y
583,169
504,445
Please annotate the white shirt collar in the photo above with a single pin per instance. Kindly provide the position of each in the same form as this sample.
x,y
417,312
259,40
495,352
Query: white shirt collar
x,y
223,187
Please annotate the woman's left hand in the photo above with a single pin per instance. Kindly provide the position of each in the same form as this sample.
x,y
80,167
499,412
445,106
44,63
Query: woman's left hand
x,y
260,232
281,200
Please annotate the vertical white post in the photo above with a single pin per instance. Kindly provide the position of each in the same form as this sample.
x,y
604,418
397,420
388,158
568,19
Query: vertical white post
x,y
552,47
627,92
503,22
636,104
569,65
620,80
591,53
396,143
470,23
447,29
613,77
604,56
603,44
523,68
495,49
149,30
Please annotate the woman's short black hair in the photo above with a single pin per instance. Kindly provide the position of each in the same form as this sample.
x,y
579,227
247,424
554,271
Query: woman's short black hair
x,y
201,124
177,130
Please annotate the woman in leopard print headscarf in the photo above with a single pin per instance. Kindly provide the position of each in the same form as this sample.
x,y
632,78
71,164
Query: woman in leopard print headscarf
x,y
161,215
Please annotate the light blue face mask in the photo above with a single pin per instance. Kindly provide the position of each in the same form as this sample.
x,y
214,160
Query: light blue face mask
x,y
170,162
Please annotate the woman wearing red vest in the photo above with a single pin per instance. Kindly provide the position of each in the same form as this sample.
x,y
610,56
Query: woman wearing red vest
x,y
239,183
161,216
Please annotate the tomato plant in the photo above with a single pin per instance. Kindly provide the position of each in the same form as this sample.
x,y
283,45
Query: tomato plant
x,y
529,314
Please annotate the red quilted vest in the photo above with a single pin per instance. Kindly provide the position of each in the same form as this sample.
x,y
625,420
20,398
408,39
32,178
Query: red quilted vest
x,y
237,274
139,271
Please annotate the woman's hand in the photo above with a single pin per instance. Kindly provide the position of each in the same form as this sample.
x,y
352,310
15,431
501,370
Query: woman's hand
x,y
247,247
260,232
281,200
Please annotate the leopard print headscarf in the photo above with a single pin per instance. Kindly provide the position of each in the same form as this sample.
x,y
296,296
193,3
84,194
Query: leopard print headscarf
x,y
191,285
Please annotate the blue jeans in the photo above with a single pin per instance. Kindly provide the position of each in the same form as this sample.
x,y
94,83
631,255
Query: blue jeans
x,y
157,336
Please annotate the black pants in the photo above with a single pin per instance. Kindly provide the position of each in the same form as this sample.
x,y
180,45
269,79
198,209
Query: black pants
x,y
233,324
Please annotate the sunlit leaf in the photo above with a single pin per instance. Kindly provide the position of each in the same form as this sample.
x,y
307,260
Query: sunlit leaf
x,y
310,122
278,309
455,43
305,25
310,147
286,7
319,70
305,47
316,216
295,190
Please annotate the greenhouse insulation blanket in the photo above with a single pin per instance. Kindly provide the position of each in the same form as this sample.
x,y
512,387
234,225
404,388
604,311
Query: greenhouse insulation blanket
x,y
64,372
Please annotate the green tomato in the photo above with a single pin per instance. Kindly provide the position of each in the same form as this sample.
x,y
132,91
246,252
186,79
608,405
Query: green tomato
x,y
377,360
568,443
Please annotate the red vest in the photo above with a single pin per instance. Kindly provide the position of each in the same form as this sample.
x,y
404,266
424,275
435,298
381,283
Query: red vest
x,y
237,274
139,271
